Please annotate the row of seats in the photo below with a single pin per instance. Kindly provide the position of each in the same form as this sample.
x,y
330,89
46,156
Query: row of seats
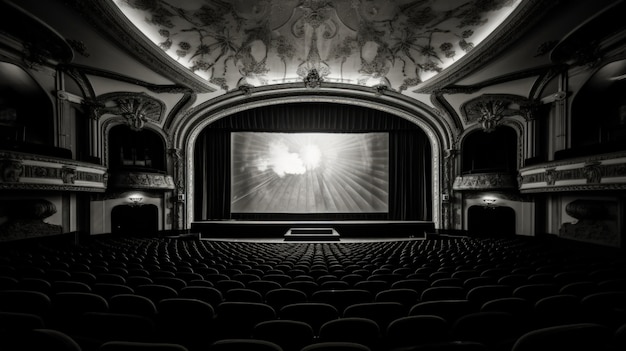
x,y
409,293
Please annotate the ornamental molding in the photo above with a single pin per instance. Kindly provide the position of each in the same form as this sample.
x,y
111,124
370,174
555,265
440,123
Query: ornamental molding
x,y
485,181
489,109
24,171
136,109
605,172
313,79
141,180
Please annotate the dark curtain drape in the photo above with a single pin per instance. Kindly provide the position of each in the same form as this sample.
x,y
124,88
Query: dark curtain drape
x,y
410,189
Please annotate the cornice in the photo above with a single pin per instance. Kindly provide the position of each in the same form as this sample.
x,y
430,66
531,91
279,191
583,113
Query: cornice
x,y
112,23
140,180
524,17
599,173
235,100
485,181
32,172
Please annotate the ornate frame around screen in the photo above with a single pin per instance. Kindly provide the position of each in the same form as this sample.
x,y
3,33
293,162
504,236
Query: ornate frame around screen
x,y
189,127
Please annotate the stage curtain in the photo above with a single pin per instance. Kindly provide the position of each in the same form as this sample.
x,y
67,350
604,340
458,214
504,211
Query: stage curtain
x,y
212,175
410,189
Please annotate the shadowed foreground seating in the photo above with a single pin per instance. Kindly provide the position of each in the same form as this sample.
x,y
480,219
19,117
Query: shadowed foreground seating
x,y
336,346
313,313
415,330
289,335
244,345
351,329
571,337
140,346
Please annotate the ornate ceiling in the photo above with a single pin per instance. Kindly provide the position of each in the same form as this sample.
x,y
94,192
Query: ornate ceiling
x,y
396,44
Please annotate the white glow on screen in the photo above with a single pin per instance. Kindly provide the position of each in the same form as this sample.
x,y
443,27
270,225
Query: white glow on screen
x,y
309,172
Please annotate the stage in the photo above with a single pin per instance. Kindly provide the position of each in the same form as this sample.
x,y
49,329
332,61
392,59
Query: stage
x,y
345,229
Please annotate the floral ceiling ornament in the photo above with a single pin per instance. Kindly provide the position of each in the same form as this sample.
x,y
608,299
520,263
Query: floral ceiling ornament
x,y
263,42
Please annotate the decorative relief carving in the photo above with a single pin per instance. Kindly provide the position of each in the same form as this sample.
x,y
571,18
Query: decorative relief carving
x,y
313,79
246,89
17,172
550,176
137,109
489,109
11,170
139,180
68,174
590,175
485,181
593,172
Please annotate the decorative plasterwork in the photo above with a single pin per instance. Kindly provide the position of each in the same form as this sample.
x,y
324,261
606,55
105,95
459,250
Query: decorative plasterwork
x,y
489,109
313,79
485,181
137,109
269,42
141,180
25,171
605,172
189,127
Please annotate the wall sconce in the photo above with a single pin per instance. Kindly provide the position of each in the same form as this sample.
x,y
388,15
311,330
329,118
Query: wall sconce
x,y
135,200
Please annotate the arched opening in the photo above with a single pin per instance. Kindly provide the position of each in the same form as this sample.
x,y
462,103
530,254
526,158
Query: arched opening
x,y
599,114
135,220
491,221
408,153
141,150
494,152
26,114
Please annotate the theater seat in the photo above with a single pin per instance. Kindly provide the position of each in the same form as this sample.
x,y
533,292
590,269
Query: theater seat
x,y
132,304
449,310
277,298
410,331
188,322
50,339
289,335
570,337
140,346
313,313
336,346
380,312
237,319
244,345
351,329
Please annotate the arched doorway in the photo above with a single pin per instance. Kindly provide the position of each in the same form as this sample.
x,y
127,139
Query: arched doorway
x,y
135,220
491,221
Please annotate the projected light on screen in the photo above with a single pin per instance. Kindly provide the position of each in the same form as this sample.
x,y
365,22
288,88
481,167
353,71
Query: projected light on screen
x,y
309,172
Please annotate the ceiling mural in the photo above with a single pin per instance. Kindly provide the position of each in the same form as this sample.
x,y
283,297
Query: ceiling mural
x,y
396,44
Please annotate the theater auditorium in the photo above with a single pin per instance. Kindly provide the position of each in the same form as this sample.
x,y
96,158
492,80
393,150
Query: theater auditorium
x,y
312,175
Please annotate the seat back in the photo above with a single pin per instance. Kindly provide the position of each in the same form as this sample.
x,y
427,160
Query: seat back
x,y
313,313
289,335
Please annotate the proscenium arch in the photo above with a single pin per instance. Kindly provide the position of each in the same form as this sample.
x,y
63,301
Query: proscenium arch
x,y
186,132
